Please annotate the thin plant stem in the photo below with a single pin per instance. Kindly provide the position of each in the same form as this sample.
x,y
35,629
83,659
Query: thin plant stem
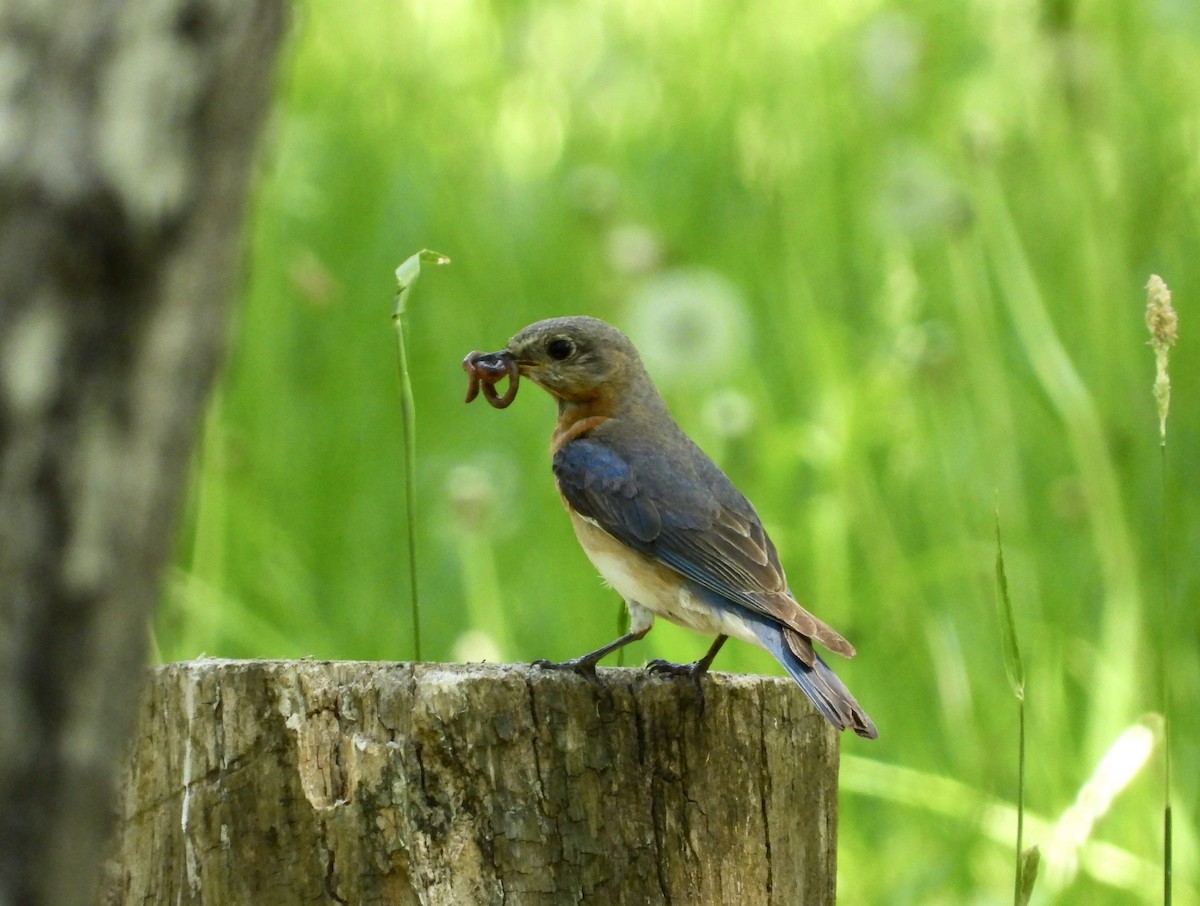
x,y
1163,324
1018,887
1022,886
406,275
408,423
1166,684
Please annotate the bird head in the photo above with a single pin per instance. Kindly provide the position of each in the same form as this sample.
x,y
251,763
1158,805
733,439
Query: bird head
x,y
576,359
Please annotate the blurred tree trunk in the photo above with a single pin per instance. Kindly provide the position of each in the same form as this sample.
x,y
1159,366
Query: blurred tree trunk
x,y
127,131
284,782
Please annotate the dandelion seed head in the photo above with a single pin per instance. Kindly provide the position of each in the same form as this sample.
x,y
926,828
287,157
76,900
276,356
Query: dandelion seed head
x,y
919,198
728,413
690,324
634,250
477,492
592,190
889,58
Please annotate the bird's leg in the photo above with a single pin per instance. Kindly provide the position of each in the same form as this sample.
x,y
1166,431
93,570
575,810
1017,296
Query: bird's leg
x,y
585,664
695,671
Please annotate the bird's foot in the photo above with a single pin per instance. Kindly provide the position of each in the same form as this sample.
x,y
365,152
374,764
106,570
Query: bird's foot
x,y
694,671
668,668
583,666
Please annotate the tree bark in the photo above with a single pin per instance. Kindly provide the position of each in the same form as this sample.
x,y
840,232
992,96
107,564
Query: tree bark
x,y
126,137
265,783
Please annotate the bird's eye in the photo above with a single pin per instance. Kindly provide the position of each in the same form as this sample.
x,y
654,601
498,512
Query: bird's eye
x,y
560,348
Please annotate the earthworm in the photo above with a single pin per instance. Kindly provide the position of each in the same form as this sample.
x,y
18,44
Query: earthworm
x,y
486,369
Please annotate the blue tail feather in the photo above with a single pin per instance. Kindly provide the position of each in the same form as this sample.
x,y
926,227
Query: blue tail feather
x,y
827,693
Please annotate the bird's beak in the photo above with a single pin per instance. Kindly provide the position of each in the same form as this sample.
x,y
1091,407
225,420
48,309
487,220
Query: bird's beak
x,y
495,363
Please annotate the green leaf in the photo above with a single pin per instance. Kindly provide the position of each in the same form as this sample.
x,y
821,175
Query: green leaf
x,y
1030,860
408,272
1012,652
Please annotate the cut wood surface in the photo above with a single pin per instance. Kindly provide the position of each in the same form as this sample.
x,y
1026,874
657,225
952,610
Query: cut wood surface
x,y
285,782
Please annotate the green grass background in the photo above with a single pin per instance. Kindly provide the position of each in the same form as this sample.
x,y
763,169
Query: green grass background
x,y
886,261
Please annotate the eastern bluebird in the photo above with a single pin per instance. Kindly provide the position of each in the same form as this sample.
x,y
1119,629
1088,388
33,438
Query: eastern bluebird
x,y
662,523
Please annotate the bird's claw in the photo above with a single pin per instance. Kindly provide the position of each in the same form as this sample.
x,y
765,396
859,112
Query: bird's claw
x,y
669,668
580,666
695,672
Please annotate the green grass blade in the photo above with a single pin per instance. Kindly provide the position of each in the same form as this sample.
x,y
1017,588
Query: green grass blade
x,y
1008,627
1029,862
1029,305
1026,863
970,807
1167,868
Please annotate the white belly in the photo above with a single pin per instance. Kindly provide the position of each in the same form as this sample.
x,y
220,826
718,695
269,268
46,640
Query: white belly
x,y
651,589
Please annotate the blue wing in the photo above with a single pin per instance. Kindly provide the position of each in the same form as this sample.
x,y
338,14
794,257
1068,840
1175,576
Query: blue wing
x,y
685,513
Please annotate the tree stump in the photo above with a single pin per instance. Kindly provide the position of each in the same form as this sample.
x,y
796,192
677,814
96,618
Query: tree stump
x,y
284,782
